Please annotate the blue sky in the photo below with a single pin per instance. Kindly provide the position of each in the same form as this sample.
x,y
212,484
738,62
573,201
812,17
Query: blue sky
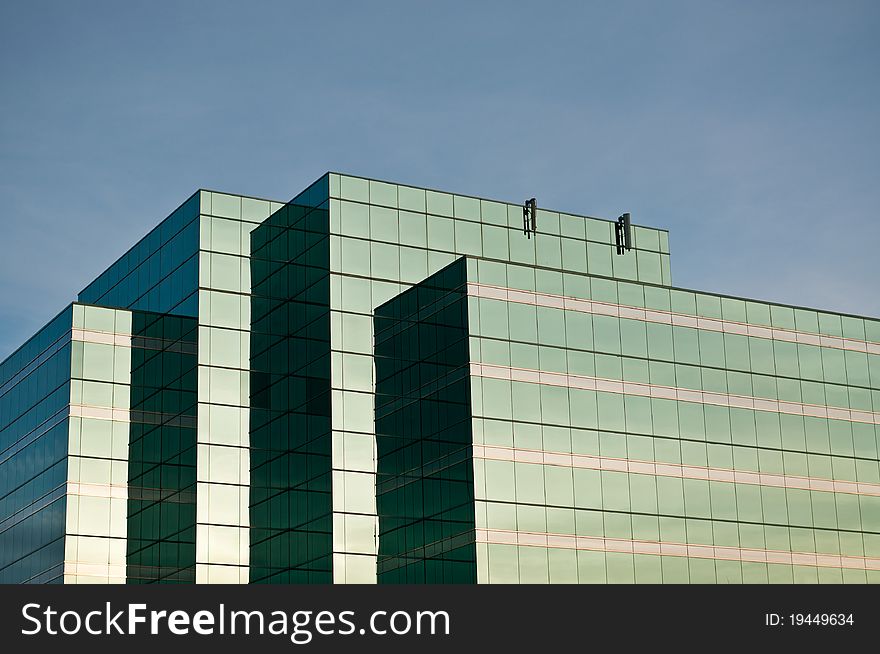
x,y
748,129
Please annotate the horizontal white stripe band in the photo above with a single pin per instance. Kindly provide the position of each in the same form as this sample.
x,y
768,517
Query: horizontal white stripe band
x,y
659,469
659,548
586,382
669,318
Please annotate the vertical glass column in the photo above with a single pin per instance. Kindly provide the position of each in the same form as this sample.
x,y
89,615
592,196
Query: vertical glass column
x,y
223,470
425,475
97,477
162,449
291,483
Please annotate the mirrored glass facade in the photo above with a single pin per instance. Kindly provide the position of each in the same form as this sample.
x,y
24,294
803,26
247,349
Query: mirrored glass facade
x,y
642,434
35,386
382,383
291,494
424,436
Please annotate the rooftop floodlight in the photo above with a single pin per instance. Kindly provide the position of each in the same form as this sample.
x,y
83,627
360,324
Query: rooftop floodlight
x,y
623,234
530,217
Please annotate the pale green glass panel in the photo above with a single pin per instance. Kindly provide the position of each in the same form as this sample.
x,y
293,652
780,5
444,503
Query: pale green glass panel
x,y
412,199
354,188
355,219
225,235
522,249
599,230
495,242
441,233
97,361
493,212
254,210
439,204
226,272
413,229
383,193
599,259
383,224
466,208
226,206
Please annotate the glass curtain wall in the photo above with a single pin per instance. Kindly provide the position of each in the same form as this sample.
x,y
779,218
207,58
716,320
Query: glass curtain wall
x,y
162,449
386,237
34,398
425,474
292,492
637,433
223,451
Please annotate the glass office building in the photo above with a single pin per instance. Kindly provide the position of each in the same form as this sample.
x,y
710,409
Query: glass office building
x,y
382,383
124,422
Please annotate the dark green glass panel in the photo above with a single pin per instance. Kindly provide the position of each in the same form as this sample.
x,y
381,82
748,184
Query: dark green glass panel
x,y
425,486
